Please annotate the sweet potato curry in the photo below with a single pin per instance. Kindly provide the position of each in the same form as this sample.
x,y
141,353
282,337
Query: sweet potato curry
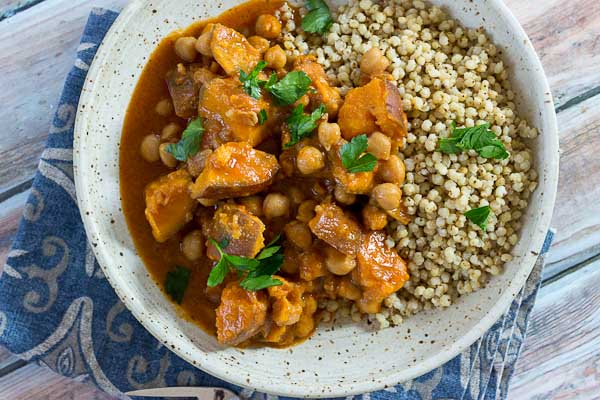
x,y
252,189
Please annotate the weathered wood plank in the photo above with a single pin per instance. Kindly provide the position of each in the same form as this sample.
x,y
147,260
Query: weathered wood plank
x,y
577,211
566,38
560,359
6,360
35,382
32,78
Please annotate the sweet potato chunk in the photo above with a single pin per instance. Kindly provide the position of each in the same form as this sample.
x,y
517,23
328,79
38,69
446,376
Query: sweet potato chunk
x,y
240,315
325,94
339,230
232,50
377,106
184,91
355,183
235,170
380,272
242,231
231,115
286,302
169,205
311,265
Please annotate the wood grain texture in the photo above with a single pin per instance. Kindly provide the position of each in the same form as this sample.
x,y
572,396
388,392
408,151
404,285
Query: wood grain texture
x,y
561,357
10,214
566,36
37,49
35,382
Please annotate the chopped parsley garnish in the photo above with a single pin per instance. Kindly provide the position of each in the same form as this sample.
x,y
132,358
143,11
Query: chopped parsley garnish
x,y
176,283
479,216
318,20
255,273
479,138
262,117
189,144
289,89
302,125
250,82
353,158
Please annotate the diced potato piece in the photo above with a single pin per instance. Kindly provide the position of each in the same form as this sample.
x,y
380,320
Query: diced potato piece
x,y
377,106
232,50
380,272
339,230
287,302
242,230
325,94
235,170
353,183
231,115
169,205
312,265
240,315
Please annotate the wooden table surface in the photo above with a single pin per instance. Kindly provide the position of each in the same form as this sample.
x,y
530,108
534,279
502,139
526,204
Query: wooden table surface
x,y
561,357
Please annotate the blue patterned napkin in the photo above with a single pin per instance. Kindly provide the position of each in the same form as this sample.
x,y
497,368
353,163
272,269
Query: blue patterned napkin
x,y
57,308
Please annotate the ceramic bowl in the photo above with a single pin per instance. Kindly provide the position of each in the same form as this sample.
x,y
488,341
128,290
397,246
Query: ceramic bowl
x,y
350,359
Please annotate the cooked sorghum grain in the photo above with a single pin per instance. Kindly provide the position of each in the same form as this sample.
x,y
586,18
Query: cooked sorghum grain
x,y
445,73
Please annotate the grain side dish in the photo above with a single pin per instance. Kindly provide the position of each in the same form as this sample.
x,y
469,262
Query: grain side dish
x,y
285,164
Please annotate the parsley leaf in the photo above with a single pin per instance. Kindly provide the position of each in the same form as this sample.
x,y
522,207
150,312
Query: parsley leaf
x,y
479,138
479,216
302,125
262,117
351,155
318,20
176,283
258,271
250,82
189,144
289,89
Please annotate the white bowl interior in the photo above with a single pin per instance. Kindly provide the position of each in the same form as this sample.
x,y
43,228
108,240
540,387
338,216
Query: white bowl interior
x,y
349,359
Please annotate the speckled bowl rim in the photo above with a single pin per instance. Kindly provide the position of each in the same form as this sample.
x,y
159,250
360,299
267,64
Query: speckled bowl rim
x,y
105,258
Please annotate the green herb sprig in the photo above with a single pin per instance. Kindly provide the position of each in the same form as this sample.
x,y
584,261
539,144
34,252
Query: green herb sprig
x,y
302,125
479,216
479,138
262,117
255,273
176,283
250,82
189,144
353,157
289,89
318,20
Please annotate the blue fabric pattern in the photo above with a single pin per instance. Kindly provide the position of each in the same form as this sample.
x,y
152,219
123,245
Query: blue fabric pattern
x,y
57,308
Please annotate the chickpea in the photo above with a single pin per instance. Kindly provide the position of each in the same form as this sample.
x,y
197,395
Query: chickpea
x,y
296,194
149,148
166,157
393,170
259,43
387,195
275,57
338,263
374,218
306,210
310,160
203,43
268,26
380,145
185,48
254,204
170,132
329,134
374,62
164,108
344,197
298,234
276,205
193,245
